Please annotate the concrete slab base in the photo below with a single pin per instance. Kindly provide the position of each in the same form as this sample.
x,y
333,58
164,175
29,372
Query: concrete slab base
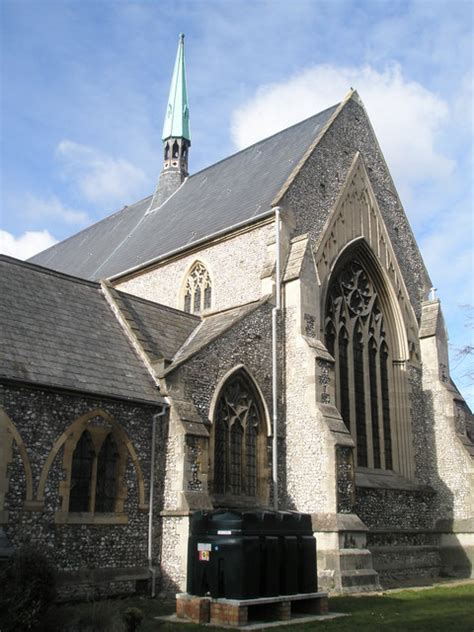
x,y
260,625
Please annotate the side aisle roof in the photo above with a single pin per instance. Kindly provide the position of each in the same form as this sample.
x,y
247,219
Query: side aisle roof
x,y
59,331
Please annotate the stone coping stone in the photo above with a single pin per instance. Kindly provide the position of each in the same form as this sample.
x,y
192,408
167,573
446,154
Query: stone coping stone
x,y
257,601
260,625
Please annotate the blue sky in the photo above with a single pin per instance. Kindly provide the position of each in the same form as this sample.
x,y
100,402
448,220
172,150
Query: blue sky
x,y
84,87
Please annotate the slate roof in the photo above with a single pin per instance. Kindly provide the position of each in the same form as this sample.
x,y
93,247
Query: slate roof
x,y
57,330
211,327
237,189
161,330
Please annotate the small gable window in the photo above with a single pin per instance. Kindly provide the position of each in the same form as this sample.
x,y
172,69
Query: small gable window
x,y
198,290
94,474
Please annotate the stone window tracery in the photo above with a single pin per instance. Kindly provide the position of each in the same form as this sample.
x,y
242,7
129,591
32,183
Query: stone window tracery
x,y
239,440
198,290
356,337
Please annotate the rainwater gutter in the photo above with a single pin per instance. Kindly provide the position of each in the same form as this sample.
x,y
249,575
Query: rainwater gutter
x,y
151,567
275,312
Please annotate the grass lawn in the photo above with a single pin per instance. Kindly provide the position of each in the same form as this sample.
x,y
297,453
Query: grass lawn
x,y
440,609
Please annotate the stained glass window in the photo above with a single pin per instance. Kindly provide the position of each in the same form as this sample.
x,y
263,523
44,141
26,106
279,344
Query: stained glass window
x,y
106,486
238,425
81,474
94,476
356,338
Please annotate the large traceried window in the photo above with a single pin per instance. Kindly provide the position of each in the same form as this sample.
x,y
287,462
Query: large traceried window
x,y
198,290
94,475
356,337
239,440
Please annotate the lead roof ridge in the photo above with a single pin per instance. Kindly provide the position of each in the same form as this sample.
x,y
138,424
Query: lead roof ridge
x,y
262,140
49,271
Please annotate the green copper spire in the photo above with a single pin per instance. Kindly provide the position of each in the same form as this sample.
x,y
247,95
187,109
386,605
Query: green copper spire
x,y
177,112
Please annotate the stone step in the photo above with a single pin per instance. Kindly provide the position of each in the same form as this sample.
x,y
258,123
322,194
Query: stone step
x,y
355,559
359,580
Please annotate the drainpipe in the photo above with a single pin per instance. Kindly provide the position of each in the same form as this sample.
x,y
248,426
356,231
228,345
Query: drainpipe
x,y
275,311
151,568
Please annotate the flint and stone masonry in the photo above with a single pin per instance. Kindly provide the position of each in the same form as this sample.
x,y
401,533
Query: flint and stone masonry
x,y
374,439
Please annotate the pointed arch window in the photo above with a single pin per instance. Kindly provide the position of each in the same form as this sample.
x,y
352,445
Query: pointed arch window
x,y
356,337
81,474
198,290
239,441
94,474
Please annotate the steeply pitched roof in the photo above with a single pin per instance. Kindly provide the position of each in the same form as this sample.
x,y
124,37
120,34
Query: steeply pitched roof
x,y
57,330
237,189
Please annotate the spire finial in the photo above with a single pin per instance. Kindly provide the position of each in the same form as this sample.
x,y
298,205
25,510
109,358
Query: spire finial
x,y
176,123
176,134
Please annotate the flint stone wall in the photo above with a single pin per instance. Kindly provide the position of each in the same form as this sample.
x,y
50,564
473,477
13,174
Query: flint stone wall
x,y
247,343
234,265
41,416
313,194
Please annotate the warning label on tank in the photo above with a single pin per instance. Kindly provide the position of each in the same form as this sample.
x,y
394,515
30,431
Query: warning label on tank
x,y
204,556
204,546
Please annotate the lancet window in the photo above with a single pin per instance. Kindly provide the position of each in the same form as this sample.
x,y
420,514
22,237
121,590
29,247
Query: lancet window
x,y
94,475
239,439
355,331
198,290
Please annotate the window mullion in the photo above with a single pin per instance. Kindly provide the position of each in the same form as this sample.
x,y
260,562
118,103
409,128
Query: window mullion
x,y
352,380
380,405
337,368
93,483
367,391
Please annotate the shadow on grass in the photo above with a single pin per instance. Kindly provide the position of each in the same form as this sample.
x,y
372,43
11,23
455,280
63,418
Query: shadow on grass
x,y
446,609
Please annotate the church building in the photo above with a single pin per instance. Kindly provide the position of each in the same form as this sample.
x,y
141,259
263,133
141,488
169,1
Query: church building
x,y
261,334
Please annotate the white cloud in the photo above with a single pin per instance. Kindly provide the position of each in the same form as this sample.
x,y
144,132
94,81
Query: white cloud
x,y
27,245
34,207
99,177
447,252
407,117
